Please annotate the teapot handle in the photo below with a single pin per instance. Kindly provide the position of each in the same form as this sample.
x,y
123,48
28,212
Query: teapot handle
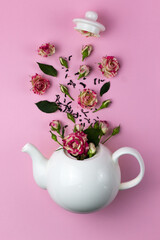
x,y
136,154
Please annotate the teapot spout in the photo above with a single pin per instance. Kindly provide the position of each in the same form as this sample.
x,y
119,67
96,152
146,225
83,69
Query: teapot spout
x,y
39,164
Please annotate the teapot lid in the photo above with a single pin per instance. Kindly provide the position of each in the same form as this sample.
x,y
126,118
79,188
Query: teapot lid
x,y
89,24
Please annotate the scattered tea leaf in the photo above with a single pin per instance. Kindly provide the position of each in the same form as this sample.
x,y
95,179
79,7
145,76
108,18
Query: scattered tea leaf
x,y
63,131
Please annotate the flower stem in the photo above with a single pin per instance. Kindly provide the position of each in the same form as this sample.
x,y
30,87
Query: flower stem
x,y
107,139
100,137
54,137
97,110
70,97
59,143
59,149
60,135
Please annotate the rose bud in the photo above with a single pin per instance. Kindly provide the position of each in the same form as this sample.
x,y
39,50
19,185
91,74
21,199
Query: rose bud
x,y
55,125
115,131
76,144
63,62
39,84
109,66
46,50
104,104
86,51
78,127
103,126
92,150
64,90
83,71
87,99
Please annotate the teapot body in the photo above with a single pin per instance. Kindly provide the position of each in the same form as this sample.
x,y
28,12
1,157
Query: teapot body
x,y
83,186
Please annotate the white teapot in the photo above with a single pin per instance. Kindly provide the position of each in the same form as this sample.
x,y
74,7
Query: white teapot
x,y
82,186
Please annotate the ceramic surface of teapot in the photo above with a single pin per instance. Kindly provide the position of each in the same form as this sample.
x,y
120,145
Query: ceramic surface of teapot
x,y
82,186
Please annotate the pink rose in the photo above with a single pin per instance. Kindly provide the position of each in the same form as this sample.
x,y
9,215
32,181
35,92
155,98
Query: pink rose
x,y
76,143
109,66
46,50
39,84
87,99
103,126
83,71
55,125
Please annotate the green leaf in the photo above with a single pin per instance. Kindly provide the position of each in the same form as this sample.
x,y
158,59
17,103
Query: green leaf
x,y
70,116
93,135
96,125
85,54
48,69
105,88
63,62
47,107
53,136
90,126
116,130
80,157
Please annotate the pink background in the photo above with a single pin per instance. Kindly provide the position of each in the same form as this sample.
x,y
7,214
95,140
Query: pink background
x,y
132,35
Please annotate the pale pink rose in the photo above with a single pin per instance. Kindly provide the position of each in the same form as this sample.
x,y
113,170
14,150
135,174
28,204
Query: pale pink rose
x,y
89,48
39,84
92,149
104,126
46,50
83,71
55,125
76,143
87,99
86,33
109,66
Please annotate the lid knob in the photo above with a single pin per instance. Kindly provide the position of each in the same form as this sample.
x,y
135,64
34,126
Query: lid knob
x,y
90,15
